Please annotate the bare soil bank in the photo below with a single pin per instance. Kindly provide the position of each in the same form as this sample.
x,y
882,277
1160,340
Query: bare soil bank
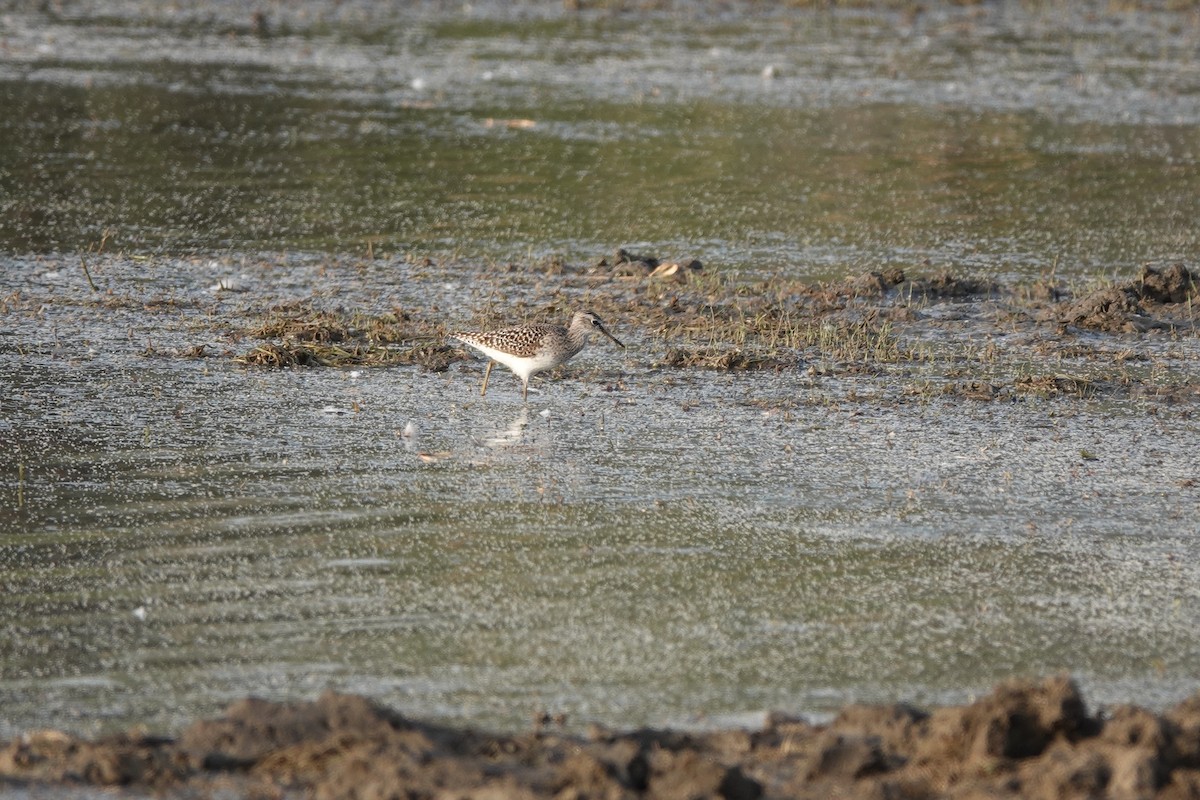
x,y
1025,739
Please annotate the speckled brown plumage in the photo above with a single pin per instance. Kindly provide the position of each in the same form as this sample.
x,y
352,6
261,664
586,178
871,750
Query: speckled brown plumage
x,y
529,349
522,341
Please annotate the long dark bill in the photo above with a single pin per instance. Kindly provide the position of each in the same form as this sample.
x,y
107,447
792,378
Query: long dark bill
x,y
604,330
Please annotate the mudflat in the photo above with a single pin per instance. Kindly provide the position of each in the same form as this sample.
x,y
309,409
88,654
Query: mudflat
x,y
908,407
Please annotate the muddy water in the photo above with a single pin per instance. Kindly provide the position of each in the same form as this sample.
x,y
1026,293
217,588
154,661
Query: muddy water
x,y
637,545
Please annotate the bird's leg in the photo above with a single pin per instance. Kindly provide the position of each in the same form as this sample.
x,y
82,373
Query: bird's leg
x,y
486,373
525,390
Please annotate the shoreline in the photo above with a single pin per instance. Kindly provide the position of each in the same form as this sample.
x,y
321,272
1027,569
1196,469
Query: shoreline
x,y
1025,738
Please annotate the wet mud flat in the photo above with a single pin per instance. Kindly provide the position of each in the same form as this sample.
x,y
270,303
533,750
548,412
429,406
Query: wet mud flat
x,y
138,380
1023,739
883,338
900,335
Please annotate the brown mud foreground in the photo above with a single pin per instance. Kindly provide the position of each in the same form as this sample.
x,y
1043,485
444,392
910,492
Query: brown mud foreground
x,y
1025,739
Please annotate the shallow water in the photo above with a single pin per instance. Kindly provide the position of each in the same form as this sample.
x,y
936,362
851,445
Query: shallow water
x,y
684,547
1007,141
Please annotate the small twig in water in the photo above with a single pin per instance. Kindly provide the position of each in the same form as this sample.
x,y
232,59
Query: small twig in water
x,y
86,274
97,249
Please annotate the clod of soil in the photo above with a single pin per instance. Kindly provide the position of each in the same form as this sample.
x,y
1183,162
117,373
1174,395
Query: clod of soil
x,y
1025,739
719,358
942,285
1131,307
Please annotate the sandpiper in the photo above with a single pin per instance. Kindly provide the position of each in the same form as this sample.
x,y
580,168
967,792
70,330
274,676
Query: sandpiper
x,y
529,349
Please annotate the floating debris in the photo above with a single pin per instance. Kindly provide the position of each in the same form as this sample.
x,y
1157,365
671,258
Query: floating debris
x,y
228,285
678,270
511,124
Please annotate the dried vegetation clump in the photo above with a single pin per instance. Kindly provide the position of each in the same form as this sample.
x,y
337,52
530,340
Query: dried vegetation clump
x,y
303,335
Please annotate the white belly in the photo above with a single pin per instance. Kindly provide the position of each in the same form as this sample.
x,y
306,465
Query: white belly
x,y
524,367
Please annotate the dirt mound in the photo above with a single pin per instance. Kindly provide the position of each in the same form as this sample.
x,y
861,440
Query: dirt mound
x,y
1025,739
628,265
940,286
1133,307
